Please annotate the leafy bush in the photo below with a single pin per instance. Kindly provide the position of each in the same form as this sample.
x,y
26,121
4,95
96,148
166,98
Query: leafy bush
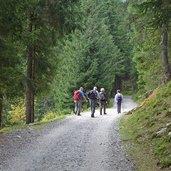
x,y
17,114
49,116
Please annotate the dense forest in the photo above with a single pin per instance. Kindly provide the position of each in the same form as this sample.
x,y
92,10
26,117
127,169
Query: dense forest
x,y
50,48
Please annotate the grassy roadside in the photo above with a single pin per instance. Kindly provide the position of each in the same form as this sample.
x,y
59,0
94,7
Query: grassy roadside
x,y
146,132
36,124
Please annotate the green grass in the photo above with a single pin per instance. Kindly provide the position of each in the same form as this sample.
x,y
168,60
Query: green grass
x,y
138,130
57,118
35,124
11,128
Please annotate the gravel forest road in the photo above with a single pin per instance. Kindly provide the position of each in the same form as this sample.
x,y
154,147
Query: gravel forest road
x,y
77,143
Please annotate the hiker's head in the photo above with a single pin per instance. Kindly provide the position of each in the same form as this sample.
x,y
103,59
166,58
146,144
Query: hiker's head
x,y
95,88
81,88
102,89
118,91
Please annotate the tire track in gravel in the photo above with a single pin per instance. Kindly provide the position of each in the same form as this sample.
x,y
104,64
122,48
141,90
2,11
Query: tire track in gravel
x,y
74,144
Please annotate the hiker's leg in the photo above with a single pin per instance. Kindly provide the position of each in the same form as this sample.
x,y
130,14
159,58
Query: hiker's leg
x,y
100,108
79,107
76,107
119,107
93,107
104,108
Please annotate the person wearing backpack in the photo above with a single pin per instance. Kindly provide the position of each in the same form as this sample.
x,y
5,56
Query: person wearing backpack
x,y
78,97
92,96
118,100
102,101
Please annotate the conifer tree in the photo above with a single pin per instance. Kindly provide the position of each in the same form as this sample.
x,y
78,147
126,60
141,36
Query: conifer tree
x,y
10,60
150,21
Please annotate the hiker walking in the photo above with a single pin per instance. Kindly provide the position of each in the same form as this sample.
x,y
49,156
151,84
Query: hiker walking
x,y
118,100
102,101
78,97
92,96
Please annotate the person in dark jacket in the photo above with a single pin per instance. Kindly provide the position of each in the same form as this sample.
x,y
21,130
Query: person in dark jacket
x,y
102,101
92,96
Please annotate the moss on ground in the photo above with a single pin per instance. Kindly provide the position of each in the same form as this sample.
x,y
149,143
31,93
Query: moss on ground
x,y
151,151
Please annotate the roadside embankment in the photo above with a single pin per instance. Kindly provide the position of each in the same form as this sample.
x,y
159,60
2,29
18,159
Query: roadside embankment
x,y
146,131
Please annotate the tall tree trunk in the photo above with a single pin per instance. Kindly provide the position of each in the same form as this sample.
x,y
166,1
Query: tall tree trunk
x,y
29,77
33,79
1,108
29,86
165,61
32,108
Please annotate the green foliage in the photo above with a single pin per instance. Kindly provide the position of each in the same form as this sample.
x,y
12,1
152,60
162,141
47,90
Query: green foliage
x,y
14,112
10,57
67,71
31,29
43,105
17,115
146,20
92,55
148,63
159,12
49,116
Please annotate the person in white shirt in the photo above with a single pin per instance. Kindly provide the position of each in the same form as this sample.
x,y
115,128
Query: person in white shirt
x,y
118,100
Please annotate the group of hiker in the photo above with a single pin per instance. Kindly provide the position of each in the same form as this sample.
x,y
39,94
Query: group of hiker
x,y
92,96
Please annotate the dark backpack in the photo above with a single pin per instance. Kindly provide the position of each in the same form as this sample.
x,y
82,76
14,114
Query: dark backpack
x,y
77,95
119,98
92,94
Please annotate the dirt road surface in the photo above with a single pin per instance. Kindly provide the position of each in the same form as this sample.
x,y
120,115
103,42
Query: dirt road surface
x,y
78,143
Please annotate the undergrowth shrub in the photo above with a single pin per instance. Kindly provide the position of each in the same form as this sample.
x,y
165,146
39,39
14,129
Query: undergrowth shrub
x,y
17,114
49,116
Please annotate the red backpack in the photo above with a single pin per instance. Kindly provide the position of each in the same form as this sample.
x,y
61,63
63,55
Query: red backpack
x,y
76,95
